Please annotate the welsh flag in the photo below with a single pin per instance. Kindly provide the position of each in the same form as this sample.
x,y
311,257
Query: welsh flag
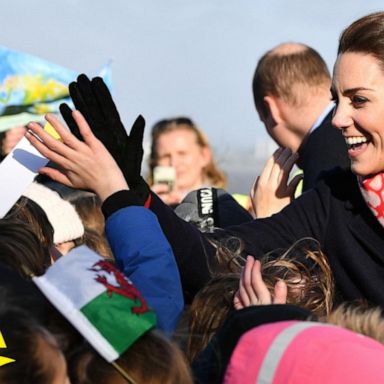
x,y
99,301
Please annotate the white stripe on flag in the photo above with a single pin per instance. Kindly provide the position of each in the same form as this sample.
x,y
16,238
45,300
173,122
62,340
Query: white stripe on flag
x,y
73,314
71,274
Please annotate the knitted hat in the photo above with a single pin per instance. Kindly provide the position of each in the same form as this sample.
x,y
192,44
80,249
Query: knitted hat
x,y
210,208
62,215
305,353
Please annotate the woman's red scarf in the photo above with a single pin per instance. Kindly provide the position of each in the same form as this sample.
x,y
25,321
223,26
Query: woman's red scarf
x,y
372,189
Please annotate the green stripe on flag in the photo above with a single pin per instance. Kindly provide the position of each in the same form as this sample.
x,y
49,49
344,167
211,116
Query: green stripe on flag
x,y
114,319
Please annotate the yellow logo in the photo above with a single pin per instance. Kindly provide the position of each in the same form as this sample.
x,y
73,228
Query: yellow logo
x,y
4,360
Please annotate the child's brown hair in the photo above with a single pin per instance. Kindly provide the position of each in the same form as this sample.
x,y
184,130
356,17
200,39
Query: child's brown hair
x,y
303,267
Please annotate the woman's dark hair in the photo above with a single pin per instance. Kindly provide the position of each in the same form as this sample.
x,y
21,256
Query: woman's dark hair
x,y
365,35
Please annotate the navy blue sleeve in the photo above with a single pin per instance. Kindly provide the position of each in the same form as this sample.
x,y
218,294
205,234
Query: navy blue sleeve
x,y
144,255
305,217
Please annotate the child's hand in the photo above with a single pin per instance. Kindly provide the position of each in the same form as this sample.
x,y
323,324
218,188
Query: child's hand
x,y
252,289
84,165
271,191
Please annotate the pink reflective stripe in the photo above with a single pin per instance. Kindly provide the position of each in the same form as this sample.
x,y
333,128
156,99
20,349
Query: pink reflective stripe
x,y
278,347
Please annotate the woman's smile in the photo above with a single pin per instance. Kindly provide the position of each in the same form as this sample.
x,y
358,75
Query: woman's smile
x,y
358,91
356,145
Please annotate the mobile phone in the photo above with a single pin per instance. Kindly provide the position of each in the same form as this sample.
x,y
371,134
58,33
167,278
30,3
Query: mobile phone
x,y
165,175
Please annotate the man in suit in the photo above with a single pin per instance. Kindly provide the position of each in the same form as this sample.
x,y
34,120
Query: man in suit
x,y
291,89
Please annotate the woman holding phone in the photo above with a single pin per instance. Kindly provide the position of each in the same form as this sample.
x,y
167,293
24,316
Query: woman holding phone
x,y
181,160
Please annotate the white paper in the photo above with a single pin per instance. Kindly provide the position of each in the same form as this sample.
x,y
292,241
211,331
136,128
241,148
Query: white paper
x,y
17,171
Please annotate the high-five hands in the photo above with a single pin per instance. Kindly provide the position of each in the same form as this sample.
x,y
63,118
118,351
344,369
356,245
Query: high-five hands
x,y
252,289
84,164
93,99
271,192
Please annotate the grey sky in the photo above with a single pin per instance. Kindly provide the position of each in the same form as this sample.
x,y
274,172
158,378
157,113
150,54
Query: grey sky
x,y
179,57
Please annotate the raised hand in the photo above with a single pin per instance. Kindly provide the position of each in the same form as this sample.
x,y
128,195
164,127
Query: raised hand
x,y
94,101
84,164
252,289
271,192
168,197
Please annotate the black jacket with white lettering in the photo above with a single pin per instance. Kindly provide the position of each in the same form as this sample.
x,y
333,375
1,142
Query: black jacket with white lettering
x,y
334,213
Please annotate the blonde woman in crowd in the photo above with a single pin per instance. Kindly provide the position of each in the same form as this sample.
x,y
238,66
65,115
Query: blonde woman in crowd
x,y
179,144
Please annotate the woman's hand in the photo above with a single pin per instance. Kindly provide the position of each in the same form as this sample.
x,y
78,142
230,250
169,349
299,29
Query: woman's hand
x,y
94,100
252,289
84,165
271,192
168,197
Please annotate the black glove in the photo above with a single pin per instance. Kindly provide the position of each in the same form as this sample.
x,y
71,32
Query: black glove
x,y
94,101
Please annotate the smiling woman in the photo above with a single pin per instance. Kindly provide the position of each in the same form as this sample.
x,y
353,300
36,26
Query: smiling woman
x,y
345,210
358,86
180,144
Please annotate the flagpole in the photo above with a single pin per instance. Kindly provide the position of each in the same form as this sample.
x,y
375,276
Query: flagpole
x,y
123,373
